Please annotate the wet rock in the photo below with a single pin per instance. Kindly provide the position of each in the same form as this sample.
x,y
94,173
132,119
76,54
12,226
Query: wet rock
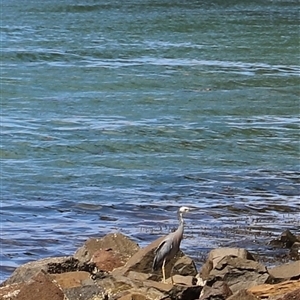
x,y
274,291
295,251
216,290
25,272
239,273
216,255
286,240
118,243
289,271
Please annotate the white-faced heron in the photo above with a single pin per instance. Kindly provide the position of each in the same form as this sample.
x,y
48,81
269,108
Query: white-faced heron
x,y
168,248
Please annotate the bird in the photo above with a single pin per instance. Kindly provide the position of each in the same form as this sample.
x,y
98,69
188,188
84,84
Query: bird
x,y
170,245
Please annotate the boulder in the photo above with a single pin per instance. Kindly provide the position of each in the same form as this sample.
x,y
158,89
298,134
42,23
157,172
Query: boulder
x,y
115,242
287,271
107,260
25,272
216,255
38,287
184,266
239,273
216,290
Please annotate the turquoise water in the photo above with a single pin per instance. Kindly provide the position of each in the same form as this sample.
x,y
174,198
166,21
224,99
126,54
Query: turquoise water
x,y
115,114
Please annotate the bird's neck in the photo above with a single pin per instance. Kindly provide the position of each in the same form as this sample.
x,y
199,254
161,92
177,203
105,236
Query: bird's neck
x,y
180,218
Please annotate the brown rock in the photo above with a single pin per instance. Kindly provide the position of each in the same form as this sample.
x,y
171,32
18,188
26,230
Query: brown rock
x,y
40,287
117,242
294,295
133,296
266,291
218,290
182,280
71,279
242,295
216,255
10,291
184,266
239,273
287,271
25,272
139,276
107,260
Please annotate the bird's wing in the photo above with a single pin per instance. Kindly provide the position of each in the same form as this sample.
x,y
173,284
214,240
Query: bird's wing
x,y
162,252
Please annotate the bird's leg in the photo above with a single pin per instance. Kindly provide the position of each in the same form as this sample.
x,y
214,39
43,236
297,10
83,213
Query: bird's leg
x,y
163,271
172,271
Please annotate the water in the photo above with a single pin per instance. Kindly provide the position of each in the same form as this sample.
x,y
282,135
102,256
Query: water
x,y
115,114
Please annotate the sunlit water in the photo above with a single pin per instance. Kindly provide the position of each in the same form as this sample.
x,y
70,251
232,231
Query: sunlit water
x,y
114,114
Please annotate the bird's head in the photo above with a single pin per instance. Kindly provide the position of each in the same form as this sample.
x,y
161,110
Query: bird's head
x,y
184,209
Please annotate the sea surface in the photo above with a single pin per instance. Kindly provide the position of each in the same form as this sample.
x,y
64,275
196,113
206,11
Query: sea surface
x,y
116,113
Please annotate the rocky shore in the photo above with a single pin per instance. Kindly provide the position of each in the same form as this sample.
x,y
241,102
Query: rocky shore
x,y
114,267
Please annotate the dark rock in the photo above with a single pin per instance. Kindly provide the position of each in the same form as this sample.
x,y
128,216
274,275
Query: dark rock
x,y
295,251
116,242
239,273
70,265
216,290
186,292
289,271
286,240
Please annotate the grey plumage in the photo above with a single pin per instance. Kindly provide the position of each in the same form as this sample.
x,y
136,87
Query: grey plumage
x,y
169,247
